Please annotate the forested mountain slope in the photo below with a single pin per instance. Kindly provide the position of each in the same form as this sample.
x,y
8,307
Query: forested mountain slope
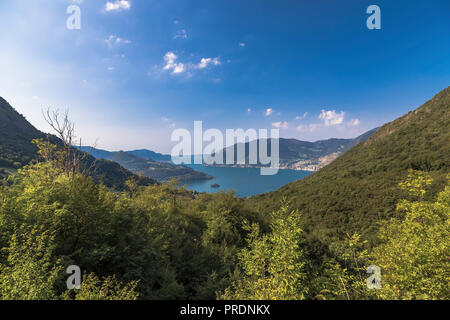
x,y
16,134
360,187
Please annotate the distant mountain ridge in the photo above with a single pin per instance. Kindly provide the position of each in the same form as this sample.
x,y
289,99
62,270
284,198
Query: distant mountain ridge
x,y
151,155
96,153
160,171
17,150
303,155
141,153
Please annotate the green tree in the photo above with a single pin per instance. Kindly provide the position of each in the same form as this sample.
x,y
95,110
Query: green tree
x,y
92,288
414,256
29,272
344,276
273,263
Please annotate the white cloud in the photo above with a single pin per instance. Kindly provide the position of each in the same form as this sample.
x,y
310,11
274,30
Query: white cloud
x,y
331,117
309,128
180,34
118,5
280,125
301,117
115,41
179,68
171,125
171,63
249,110
204,62
111,68
269,111
354,123
241,44
314,126
77,1
170,58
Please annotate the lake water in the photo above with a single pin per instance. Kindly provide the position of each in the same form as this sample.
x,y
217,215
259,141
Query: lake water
x,y
245,181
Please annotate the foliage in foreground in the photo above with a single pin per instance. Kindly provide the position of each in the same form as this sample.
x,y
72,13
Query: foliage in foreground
x,y
163,242
158,242
273,264
413,253
411,259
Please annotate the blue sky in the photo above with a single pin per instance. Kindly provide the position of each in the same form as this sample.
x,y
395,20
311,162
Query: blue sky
x,y
138,69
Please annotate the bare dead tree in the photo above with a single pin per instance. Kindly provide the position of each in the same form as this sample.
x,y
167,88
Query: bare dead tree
x,y
72,160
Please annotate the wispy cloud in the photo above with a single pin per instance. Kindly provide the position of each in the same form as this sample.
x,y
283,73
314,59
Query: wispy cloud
x,y
180,34
311,127
301,117
354,123
172,124
241,44
118,5
280,124
269,111
115,41
331,117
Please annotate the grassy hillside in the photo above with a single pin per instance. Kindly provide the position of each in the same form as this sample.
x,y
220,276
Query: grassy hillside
x,y
361,187
17,150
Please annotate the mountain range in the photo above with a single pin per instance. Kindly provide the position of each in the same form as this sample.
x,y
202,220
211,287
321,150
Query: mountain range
x,y
151,168
141,153
300,155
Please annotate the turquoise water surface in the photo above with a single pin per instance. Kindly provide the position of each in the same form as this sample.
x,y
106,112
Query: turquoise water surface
x,y
245,181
